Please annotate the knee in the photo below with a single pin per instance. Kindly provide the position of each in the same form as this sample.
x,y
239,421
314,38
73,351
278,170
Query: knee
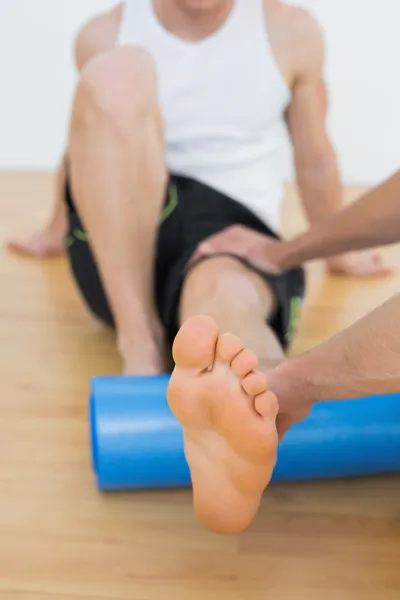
x,y
118,85
223,282
86,43
98,35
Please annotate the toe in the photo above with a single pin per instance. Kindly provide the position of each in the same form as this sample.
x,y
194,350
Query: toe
x,y
255,383
266,404
195,344
244,363
228,347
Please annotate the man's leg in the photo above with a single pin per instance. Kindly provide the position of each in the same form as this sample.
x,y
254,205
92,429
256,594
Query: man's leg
x,y
238,300
118,178
220,397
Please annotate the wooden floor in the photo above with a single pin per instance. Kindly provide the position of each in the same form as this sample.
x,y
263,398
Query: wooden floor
x,y
61,540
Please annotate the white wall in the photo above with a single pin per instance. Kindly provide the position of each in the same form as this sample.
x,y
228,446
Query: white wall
x,y
363,43
363,74
37,77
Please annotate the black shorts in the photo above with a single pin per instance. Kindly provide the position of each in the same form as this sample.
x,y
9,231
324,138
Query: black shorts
x,y
192,212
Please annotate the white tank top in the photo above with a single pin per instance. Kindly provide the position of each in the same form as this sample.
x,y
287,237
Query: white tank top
x,y
223,101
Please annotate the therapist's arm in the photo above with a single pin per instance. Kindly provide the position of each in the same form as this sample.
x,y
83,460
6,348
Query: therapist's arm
x,y
363,360
373,220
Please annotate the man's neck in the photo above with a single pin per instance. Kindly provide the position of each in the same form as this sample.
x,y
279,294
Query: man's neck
x,y
189,22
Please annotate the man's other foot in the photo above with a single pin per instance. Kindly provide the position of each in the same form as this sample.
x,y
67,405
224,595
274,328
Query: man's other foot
x,y
48,243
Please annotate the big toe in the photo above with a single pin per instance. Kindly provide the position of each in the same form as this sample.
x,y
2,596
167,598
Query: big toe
x,y
195,344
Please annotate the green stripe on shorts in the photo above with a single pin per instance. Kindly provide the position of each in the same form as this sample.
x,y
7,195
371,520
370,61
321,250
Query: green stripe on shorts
x,y
80,235
294,318
171,204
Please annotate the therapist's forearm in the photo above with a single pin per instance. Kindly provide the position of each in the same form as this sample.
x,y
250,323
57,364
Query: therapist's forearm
x,y
373,220
361,361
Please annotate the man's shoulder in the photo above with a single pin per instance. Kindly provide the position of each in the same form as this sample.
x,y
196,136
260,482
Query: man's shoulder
x,y
300,30
296,19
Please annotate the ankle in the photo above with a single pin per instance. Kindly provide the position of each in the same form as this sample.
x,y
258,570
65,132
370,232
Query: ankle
x,y
142,342
142,357
138,327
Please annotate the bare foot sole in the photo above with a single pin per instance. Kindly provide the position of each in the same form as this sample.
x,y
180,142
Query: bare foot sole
x,y
228,418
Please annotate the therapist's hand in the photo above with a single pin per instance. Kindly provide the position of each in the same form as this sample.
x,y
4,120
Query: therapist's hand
x,y
289,384
263,252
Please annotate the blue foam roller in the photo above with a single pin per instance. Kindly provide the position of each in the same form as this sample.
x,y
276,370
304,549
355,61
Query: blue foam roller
x,y
137,443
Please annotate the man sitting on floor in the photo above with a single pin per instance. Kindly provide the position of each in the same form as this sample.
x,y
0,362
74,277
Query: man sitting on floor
x,y
176,135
